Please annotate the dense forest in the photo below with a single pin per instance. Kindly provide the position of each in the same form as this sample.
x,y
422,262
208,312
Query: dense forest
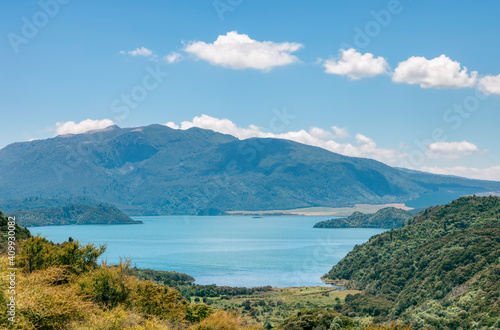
x,y
388,217
441,270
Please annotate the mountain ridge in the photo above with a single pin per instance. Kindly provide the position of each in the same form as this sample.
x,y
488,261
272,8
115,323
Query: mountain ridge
x,y
156,170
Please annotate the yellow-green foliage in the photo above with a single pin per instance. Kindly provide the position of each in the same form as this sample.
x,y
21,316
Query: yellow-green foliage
x,y
117,319
38,253
62,287
223,320
108,286
43,303
159,301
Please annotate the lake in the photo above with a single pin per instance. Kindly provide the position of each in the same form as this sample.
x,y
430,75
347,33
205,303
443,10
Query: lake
x,y
224,250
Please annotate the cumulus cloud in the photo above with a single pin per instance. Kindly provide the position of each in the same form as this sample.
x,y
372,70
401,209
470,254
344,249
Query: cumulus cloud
x,y
440,72
355,65
340,133
488,173
70,127
451,149
490,84
142,51
364,146
173,57
239,51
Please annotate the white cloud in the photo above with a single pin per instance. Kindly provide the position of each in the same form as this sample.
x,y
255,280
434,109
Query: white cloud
x,y
320,133
173,57
173,125
488,173
451,149
340,133
490,84
356,65
142,51
364,146
239,51
440,72
70,127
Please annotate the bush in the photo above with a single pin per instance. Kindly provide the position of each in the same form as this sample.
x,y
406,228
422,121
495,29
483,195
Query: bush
x,y
222,320
106,285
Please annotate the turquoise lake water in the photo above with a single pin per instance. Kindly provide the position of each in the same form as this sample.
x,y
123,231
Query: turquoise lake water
x,y
224,250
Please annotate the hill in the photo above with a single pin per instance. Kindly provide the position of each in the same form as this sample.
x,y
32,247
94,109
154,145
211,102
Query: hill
x,y
19,232
441,270
158,170
35,203
72,215
388,217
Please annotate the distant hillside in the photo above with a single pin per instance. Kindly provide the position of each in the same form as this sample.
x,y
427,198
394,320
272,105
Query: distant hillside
x,y
441,270
73,215
34,203
388,217
20,232
156,170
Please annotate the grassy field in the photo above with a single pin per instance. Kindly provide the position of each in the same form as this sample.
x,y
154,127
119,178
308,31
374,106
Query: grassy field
x,y
274,306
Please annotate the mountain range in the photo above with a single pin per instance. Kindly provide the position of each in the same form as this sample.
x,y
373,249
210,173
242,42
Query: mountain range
x,y
156,170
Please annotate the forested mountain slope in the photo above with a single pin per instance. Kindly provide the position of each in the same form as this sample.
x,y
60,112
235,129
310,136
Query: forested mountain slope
x,y
159,170
442,269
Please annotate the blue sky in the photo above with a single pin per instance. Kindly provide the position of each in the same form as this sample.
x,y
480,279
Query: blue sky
x,y
400,95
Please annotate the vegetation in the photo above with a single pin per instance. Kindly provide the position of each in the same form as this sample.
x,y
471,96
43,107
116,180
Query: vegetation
x,y
36,203
388,217
441,270
275,306
19,232
73,215
317,319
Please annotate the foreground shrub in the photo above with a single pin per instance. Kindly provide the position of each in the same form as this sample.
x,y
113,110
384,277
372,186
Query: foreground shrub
x,y
223,320
117,319
160,301
43,303
107,285
37,253
316,319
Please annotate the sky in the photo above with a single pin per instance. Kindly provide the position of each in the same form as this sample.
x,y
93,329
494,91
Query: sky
x,y
411,83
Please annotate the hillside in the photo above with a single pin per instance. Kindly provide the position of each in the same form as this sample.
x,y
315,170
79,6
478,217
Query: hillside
x,y
441,270
388,217
20,232
73,215
158,170
34,203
